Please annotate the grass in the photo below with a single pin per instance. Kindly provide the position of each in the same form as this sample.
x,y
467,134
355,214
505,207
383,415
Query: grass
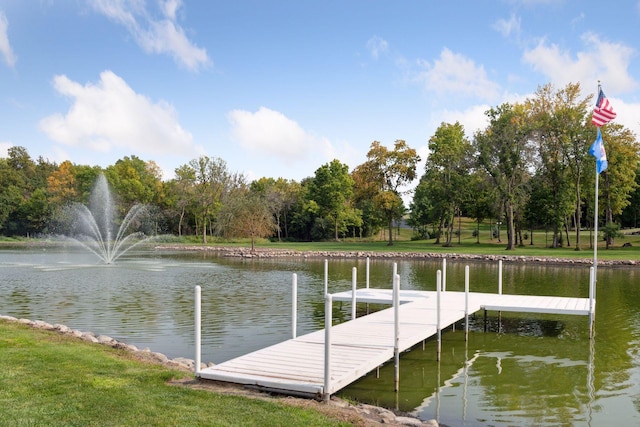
x,y
55,380
467,244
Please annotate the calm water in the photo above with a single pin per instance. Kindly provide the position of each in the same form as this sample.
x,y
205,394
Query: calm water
x,y
525,370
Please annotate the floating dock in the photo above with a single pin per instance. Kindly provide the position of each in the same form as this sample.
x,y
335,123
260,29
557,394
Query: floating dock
x,y
321,363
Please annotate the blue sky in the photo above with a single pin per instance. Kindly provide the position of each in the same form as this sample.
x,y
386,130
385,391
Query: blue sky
x,y
279,88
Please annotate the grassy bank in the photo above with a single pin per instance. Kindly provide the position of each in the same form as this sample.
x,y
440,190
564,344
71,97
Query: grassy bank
x,y
54,380
467,244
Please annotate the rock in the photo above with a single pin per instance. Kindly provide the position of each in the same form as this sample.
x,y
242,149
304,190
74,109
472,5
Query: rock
x,y
62,328
189,363
160,357
105,339
431,423
409,421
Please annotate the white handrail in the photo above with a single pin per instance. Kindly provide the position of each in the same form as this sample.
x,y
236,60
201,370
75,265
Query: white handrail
x,y
198,322
294,304
466,303
328,320
396,334
354,286
438,292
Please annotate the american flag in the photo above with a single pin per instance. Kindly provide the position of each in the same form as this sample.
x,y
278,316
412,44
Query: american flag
x,y
603,111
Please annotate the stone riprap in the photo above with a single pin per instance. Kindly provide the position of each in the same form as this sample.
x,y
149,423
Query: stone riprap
x,y
240,252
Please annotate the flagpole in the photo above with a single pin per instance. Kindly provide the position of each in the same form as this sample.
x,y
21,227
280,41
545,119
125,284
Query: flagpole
x,y
595,231
594,276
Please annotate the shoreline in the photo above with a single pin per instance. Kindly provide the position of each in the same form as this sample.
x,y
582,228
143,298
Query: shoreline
x,y
243,252
368,414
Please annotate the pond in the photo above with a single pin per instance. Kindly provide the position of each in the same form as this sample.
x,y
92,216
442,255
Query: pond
x,y
525,369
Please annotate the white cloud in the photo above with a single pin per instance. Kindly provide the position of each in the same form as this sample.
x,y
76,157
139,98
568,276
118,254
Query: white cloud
x,y
455,73
271,133
4,149
509,27
377,46
601,60
109,115
5,46
155,35
628,114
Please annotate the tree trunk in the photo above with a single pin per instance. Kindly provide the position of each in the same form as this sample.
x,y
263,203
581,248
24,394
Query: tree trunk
x,y
390,230
180,222
510,228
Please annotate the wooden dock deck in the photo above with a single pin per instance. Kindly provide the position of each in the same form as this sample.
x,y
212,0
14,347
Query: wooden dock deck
x,y
297,366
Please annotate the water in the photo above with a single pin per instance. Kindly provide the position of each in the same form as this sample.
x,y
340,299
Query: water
x,y
525,370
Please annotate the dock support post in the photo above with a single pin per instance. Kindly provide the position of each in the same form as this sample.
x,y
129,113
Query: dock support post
x,y
444,274
396,334
500,277
326,277
466,303
354,286
592,298
438,292
328,320
367,273
294,304
198,322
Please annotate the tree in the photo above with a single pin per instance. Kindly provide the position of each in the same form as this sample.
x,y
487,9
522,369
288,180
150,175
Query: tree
x,y
61,185
619,178
331,190
505,152
211,180
558,123
246,214
447,169
183,192
135,181
280,195
388,171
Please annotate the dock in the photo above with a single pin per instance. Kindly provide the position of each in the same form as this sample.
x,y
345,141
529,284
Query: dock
x,y
305,366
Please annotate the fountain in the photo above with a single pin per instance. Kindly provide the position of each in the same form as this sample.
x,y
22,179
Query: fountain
x,y
93,227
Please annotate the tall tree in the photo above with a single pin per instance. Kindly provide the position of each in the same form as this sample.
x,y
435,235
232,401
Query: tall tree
x,y
619,179
246,214
558,127
505,152
210,177
389,171
332,190
448,168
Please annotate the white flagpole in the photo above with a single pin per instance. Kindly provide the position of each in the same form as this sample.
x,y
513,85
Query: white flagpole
x,y
595,231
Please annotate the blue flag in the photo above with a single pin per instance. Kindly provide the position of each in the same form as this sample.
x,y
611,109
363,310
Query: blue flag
x,y
597,151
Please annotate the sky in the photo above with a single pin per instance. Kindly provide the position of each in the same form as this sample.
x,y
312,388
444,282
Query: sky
x,y
280,88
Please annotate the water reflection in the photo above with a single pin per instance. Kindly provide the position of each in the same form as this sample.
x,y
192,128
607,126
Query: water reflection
x,y
524,370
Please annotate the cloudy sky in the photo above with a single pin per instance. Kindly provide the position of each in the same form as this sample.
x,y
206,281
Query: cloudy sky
x,y
279,88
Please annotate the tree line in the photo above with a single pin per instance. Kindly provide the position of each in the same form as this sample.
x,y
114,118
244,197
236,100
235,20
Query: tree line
x,y
528,169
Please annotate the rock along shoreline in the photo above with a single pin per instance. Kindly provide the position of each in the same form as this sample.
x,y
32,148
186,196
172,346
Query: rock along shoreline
x,y
242,252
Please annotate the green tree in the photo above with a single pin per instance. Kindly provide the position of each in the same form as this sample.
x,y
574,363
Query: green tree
x,y
135,181
505,152
389,171
558,128
447,169
619,178
332,190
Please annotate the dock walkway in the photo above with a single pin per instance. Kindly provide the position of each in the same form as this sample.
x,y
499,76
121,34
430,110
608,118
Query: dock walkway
x,y
360,345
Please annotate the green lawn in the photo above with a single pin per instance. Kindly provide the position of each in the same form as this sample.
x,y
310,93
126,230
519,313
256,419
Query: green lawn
x,y
48,379
467,244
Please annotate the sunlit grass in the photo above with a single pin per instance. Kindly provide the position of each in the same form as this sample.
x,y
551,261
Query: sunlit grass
x,y
48,379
